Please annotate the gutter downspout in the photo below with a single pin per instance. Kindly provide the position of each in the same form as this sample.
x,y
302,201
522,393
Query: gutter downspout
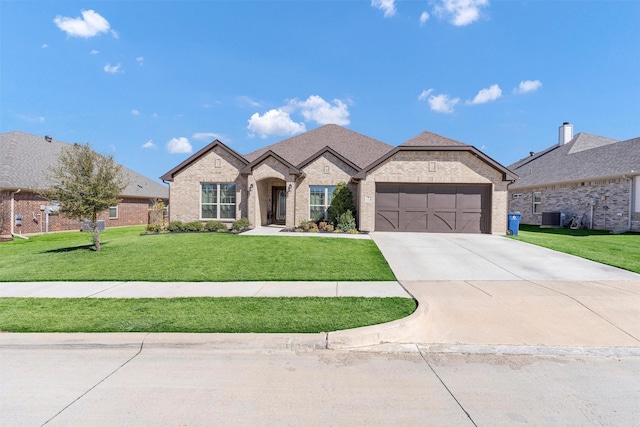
x,y
12,219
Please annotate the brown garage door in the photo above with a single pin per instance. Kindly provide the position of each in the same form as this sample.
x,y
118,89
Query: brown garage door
x,y
437,208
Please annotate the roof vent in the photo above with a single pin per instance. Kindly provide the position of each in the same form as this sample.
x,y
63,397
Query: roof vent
x,y
48,138
565,133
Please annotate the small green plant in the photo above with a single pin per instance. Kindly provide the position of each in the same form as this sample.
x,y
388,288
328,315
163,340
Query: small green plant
x,y
341,202
241,225
215,226
175,226
194,226
346,221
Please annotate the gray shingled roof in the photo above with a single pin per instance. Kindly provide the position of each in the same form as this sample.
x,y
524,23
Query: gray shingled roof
x,y
584,157
25,160
429,139
359,149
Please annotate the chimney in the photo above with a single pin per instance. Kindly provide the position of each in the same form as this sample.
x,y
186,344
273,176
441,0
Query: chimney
x,y
565,133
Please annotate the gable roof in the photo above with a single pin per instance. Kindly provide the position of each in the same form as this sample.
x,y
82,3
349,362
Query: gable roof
x,y
428,141
25,160
329,150
585,157
359,149
169,175
249,168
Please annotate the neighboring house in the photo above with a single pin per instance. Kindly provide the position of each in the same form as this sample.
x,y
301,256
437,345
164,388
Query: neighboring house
x,y
24,164
594,178
430,183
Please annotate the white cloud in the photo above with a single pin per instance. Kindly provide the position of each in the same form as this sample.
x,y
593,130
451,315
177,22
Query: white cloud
x,y
424,17
245,101
487,95
439,103
459,12
45,46
94,52
140,60
528,86
179,145
154,115
274,122
149,144
112,69
387,6
91,24
135,112
425,94
207,136
317,109
30,118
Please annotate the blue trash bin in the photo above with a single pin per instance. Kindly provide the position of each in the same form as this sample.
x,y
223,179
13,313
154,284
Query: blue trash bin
x,y
514,223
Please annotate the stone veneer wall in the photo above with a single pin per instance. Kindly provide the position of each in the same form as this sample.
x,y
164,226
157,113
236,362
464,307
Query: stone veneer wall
x,y
444,167
576,197
217,166
326,170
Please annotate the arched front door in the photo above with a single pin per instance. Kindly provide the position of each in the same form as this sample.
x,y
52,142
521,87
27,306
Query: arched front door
x,y
279,205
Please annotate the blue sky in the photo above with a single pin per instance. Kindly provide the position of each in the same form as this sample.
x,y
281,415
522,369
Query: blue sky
x,y
154,81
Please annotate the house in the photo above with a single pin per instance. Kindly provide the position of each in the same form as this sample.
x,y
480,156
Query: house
x,y
24,164
593,178
429,183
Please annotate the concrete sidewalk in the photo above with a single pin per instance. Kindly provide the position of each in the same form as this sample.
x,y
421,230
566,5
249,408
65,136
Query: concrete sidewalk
x,y
200,289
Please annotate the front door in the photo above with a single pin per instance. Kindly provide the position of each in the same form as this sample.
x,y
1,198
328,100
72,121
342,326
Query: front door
x,y
279,205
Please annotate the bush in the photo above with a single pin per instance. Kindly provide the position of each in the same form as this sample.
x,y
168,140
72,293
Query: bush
x,y
346,221
175,226
215,226
193,226
304,225
328,228
341,202
241,225
154,228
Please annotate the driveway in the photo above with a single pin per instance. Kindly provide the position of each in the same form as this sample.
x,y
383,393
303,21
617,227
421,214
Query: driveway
x,y
490,290
427,257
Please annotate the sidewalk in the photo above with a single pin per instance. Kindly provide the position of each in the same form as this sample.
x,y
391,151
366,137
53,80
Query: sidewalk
x,y
200,289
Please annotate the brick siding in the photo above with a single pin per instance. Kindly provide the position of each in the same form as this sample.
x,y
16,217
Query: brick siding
x,y
577,198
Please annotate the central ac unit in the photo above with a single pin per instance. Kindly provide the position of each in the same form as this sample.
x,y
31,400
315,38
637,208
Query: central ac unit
x,y
556,219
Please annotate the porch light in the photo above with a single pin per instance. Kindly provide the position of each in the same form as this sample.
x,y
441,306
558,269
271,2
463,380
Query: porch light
x,y
289,188
250,187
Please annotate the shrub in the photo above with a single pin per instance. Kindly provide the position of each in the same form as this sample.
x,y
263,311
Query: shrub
x,y
341,202
176,226
328,228
154,228
304,225
313,226
352,231
193,226
241,225
346,221
215,226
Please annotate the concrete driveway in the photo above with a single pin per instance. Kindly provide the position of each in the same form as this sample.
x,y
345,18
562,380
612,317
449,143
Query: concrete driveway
x,y
490,290
427,256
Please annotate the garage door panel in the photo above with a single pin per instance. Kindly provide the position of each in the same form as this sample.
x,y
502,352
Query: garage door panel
x,y
415,221
441,208
471,222
387,220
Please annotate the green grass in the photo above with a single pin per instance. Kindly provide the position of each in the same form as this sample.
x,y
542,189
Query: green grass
x,y
618,250
202,315
190,257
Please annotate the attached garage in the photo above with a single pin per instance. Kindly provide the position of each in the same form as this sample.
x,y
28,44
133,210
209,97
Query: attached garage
x,y
433,184
437,208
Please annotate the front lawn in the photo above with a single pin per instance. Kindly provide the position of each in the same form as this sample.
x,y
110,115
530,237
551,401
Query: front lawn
x,y
618,250
190,257
202,315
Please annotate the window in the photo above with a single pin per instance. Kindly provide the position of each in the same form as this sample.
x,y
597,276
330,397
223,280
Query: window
x,y
319,201
537,202
113,212
218,201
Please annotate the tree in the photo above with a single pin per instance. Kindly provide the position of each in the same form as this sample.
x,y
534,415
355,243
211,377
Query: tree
x,y
341,202
86,184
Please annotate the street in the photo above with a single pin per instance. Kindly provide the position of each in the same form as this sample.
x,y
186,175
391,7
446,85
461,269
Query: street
x,y
187,380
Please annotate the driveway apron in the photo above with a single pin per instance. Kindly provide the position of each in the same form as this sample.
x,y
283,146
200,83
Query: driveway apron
x,y
428,257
